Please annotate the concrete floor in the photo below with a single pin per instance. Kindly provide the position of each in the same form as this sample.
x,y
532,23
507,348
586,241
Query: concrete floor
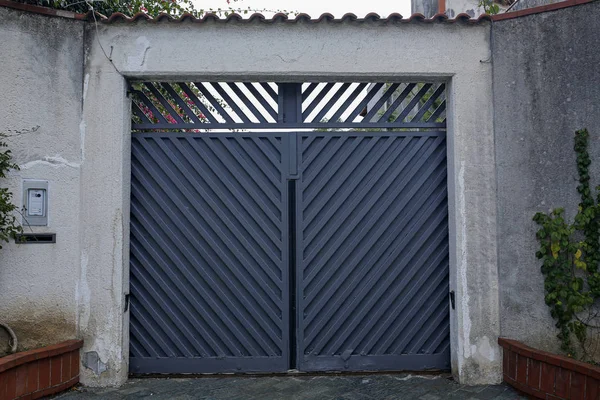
x,y
326,386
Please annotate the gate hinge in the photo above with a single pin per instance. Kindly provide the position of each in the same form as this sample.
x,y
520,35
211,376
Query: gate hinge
x,y
126,302
452,300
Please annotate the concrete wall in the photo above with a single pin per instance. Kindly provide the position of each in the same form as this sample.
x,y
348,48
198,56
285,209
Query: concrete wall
x,y
546,86
41,79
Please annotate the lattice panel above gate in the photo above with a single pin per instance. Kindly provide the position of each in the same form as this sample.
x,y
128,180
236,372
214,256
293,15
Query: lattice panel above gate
x,y
267,105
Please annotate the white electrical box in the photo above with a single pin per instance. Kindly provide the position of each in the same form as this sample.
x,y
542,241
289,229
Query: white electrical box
x,y
35,203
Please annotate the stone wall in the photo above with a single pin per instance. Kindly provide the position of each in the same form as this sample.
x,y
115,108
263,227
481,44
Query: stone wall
x,y
546,86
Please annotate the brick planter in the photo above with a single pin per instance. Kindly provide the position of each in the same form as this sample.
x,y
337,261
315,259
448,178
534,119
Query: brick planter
x,y
40,372
545,375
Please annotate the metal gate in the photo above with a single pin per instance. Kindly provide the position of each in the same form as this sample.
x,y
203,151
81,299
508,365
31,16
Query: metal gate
x,y
209,235
372,252
262,252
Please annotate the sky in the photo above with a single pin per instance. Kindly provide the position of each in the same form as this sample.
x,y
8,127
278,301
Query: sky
x,y
316,7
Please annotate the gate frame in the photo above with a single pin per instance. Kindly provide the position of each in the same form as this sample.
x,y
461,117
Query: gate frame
x,y
456,54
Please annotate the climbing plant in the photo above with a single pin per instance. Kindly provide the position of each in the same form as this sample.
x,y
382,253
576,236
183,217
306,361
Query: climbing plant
x,y
489,6
570,254
9,226
174,8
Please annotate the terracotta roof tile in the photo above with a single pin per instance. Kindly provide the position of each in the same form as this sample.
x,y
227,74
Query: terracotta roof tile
x,y
237,18
283,18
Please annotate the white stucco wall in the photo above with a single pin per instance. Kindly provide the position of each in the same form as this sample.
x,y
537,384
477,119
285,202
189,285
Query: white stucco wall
x,y
41,78
82,148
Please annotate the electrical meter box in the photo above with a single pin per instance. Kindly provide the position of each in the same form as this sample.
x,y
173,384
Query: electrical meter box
x,y
35,202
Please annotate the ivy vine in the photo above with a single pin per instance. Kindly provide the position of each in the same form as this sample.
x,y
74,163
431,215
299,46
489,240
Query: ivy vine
x,y
570,254
9,225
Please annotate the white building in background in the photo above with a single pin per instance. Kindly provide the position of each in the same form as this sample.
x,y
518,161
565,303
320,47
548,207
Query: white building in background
x,y
454,7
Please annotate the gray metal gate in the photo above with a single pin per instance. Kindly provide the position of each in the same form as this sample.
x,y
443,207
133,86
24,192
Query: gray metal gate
x,y
209,239
261,252
372,252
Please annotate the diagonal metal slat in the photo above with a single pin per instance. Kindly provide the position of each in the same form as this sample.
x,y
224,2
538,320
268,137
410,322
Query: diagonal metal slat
x,y
179,286
439,336
311,88
315,102
415,100
438,92
254,155
270,223
248,191
239,316
386,245
430,326
187,90
346,104
186,109
230,102
234,310
359,214
214,102
139,113
366,247
382,100
438,111
148,268
418,274
218,227
269,91
240,94
383,244
423,314
259,97
363,104
398,101
148,103
240,169
334,98
351,187
343,150
170,324
164,102
243,222
231,194
334,184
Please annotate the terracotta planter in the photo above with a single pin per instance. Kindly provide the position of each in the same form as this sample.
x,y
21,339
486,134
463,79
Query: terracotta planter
x,y
41,372
545,375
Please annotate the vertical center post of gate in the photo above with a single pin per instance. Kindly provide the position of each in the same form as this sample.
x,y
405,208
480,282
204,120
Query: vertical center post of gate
x,y
290,111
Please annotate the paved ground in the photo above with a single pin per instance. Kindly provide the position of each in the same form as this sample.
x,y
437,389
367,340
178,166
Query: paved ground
x,y
350,387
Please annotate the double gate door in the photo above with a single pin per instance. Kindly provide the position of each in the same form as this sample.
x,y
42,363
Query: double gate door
x,y
264,252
